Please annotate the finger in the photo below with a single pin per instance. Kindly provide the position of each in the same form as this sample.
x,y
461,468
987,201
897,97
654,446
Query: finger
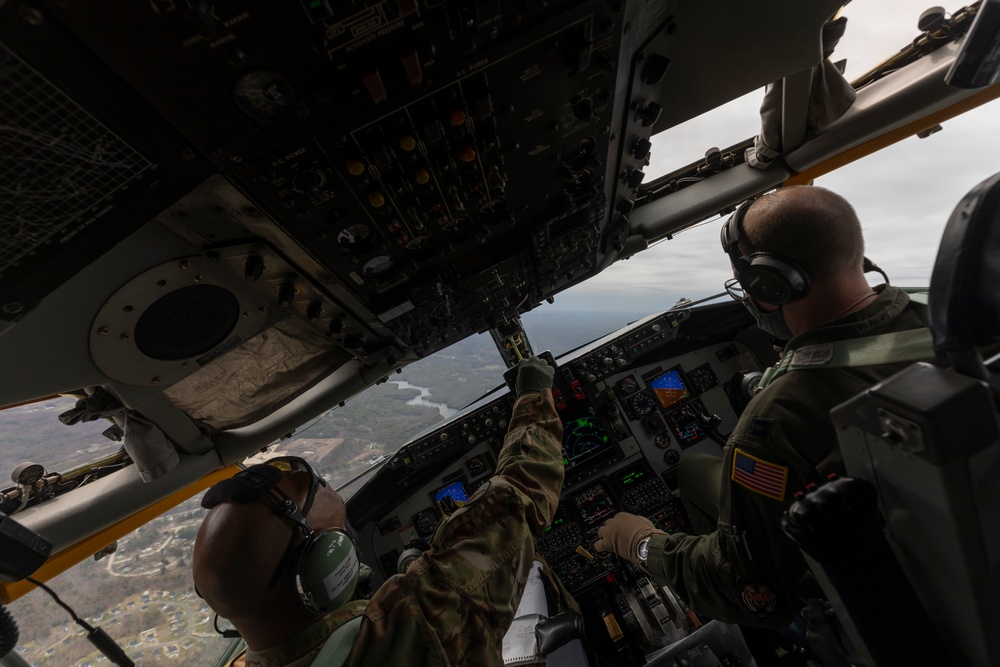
x,y
601,545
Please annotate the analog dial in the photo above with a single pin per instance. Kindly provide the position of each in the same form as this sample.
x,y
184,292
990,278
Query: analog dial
x,y
643,404
263,95
671,457
628,386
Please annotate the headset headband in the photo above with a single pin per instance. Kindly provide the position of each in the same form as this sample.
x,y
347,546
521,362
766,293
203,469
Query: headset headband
x,y
261,481
762,275
731,230
324,564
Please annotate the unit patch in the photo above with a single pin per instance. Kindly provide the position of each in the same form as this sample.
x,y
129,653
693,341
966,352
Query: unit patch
x,y
758,598
767,479
761,427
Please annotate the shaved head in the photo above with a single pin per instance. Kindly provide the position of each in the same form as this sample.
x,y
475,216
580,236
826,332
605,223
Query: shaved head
x,y
240,547
815,228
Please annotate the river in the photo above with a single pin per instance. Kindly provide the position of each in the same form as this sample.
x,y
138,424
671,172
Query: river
x,y
445,410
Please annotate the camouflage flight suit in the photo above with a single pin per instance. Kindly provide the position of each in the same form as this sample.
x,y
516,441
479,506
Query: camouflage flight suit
x,y
455,603
746,571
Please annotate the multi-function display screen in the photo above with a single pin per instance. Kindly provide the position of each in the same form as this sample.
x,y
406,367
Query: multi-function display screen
x,y
450,498
584,440
669,388
594,504
686,426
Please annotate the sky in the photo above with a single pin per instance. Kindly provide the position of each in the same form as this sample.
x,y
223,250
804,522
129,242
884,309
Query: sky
x,y
903,194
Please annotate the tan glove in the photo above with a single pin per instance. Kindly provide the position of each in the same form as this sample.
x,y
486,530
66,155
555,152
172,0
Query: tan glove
x,y
622,533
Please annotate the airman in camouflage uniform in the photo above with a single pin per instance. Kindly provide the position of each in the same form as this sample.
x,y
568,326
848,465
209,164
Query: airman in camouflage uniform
x,y
745,570
455,603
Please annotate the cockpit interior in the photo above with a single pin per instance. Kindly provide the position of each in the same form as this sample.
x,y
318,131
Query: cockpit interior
x,y
223,221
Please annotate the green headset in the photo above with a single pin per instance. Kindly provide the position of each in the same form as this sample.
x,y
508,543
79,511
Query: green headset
x,y
763,275
325,563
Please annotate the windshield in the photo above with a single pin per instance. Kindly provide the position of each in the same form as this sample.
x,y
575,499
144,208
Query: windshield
x,y
141,595
34,433
903,195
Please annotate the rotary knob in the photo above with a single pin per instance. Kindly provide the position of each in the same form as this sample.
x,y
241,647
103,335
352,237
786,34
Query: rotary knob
x,y
309,180
314,310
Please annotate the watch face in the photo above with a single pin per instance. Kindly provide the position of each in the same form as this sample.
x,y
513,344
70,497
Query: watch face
x,y
644,550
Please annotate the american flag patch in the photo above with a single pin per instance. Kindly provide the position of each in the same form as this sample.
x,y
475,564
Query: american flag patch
x,y
759,476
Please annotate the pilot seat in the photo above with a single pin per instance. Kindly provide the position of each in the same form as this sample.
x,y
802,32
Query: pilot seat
x,y
905,547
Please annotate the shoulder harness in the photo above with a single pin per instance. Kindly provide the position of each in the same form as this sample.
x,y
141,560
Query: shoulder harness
x,y
912,345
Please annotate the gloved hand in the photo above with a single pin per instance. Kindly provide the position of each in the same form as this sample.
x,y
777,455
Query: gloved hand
x,y
533,375
622,533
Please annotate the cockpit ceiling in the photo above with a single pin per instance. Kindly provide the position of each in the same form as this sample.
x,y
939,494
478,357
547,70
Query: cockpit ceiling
x,y
380,192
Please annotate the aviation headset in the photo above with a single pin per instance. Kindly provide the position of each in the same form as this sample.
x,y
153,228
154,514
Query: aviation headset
x,y
325,564
763,275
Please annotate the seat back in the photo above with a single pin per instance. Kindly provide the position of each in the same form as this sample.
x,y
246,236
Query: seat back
x,y
964,308
928,439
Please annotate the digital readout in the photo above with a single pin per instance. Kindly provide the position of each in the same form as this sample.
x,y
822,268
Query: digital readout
x,y
594,504
631,477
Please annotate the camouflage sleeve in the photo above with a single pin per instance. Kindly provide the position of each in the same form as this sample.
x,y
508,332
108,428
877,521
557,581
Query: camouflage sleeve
x,y
455,603
531,458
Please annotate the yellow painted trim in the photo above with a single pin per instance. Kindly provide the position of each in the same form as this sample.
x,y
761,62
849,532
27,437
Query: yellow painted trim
x,y
889,138
86,548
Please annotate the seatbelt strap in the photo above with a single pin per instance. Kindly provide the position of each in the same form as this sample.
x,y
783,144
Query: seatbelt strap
x,y
913,345
338,646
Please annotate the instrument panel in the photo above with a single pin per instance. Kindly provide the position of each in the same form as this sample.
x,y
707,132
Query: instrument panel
x,y
624,435
425,168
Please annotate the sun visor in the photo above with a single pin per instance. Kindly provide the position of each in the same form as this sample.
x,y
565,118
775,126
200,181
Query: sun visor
x,y
258,377
829,98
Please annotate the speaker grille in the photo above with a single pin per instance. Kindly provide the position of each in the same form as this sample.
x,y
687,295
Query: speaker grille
x,y
187,322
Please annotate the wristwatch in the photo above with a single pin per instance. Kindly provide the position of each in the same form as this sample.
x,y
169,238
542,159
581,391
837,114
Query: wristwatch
x,y
643,550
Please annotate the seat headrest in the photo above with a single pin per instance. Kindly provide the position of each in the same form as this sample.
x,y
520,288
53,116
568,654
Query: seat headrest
x,y
964,302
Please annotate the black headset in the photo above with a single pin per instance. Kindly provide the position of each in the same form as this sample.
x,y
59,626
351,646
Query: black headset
x,y
762,275
325,563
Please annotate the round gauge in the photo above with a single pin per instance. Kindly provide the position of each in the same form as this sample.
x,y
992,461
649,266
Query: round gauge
x,y
420,246
703,378
671,457
355,238
628,386
378,265
425,521
263,95
460,224
495,211
662,440
643,404
580,154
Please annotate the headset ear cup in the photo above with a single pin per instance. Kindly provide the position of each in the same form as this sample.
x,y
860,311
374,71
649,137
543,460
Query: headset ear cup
x,y
771,279
326,570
